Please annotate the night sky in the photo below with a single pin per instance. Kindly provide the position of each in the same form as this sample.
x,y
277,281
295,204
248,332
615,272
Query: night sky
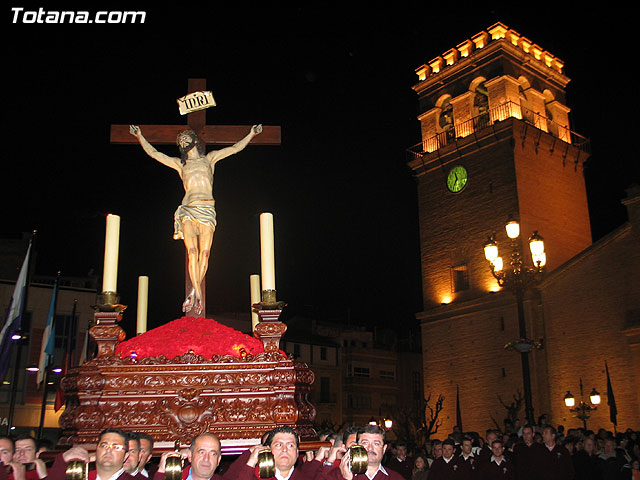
x,y
336,79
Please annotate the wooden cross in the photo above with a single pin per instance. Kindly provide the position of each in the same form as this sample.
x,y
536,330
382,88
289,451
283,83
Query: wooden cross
x,y
209,134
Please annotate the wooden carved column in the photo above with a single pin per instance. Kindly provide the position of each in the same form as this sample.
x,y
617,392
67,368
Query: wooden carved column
x,y
270,329
107,333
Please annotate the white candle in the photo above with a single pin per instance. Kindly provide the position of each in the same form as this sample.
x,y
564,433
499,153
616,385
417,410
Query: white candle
x,y
267,260
254,284
111,245
143,302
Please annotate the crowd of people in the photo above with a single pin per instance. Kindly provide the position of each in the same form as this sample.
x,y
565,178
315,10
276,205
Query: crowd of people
x,y
530,452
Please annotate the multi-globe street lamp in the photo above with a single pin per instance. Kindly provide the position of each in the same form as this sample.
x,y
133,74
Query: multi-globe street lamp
x,y
518,278
584,409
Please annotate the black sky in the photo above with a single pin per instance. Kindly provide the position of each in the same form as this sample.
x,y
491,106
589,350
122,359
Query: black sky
x,y
337,79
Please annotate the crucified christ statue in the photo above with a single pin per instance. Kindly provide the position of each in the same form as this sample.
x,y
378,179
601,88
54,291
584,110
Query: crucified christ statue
x,y
195,218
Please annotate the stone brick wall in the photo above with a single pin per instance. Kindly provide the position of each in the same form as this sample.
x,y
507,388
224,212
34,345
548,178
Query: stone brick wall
x,y
588,305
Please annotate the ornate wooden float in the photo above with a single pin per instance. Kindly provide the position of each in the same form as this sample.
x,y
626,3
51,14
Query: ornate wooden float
x,y
173,399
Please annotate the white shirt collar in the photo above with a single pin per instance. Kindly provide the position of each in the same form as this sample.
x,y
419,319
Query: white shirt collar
x,y
279,476
494,459
380,468
112,477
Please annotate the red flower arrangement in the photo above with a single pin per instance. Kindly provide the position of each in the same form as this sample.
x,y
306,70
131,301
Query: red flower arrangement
x,y
203,336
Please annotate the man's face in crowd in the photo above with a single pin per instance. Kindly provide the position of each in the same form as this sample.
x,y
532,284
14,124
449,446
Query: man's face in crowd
x,y
285,450
205,457
527,435
491,436
589,445
401,452
447,451
375,447
6,450
110,453
351,439
131,463
437,451
609,447
145,452
497,448
548,437
466,447
24,451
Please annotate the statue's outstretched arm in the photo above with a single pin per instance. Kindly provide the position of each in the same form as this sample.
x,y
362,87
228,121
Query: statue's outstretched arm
x,y
217,155
150,150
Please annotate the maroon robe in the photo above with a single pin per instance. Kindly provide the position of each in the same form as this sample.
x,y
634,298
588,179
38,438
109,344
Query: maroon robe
x,y
58,471
441,470
554,464
467,469
524,458
505,471
335,474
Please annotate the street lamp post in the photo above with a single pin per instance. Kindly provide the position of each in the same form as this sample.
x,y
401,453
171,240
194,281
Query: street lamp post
x,y
519,277
584,409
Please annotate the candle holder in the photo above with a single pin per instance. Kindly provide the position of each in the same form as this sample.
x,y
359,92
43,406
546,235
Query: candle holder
x,y
269,328
269,301
105,330
108,302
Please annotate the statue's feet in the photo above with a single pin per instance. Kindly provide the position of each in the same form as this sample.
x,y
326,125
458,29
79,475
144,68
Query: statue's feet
x,y
198,307
188,302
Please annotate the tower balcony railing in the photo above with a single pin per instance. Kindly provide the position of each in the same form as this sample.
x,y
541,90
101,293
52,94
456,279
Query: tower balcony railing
x,y
491,117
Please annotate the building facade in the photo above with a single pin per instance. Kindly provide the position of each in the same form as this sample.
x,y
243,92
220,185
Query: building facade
x,y
74,296
361,375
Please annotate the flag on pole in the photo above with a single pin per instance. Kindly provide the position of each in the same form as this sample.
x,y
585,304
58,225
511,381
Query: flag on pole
x,y
47,349
13,322
68,358
458,413
85,347
611,400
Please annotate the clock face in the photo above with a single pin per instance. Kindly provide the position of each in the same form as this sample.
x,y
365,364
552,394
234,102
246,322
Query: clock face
x,y
457,179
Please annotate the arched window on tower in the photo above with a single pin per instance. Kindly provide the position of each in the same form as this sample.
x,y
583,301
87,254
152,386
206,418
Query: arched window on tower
x,y
554,128
481,107
445,122
528,114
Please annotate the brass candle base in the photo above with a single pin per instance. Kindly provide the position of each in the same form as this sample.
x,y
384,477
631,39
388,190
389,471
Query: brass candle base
x,y
108,302
269,301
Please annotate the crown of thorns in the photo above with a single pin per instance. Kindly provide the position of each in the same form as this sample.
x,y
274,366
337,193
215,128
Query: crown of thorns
x,y
187,133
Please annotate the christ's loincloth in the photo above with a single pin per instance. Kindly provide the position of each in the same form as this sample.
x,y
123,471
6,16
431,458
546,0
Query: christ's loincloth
x,y
201,212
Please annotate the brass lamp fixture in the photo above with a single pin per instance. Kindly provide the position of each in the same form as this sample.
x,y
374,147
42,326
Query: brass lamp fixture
x,y
583,409
519,277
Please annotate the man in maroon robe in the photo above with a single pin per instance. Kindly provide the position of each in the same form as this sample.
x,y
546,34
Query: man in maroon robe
x,y
553,461
283,443
111,452
371,437
498,468
524,455
467,461
445,467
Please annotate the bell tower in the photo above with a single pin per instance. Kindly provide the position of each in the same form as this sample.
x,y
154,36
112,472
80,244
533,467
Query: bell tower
x,y
496,143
